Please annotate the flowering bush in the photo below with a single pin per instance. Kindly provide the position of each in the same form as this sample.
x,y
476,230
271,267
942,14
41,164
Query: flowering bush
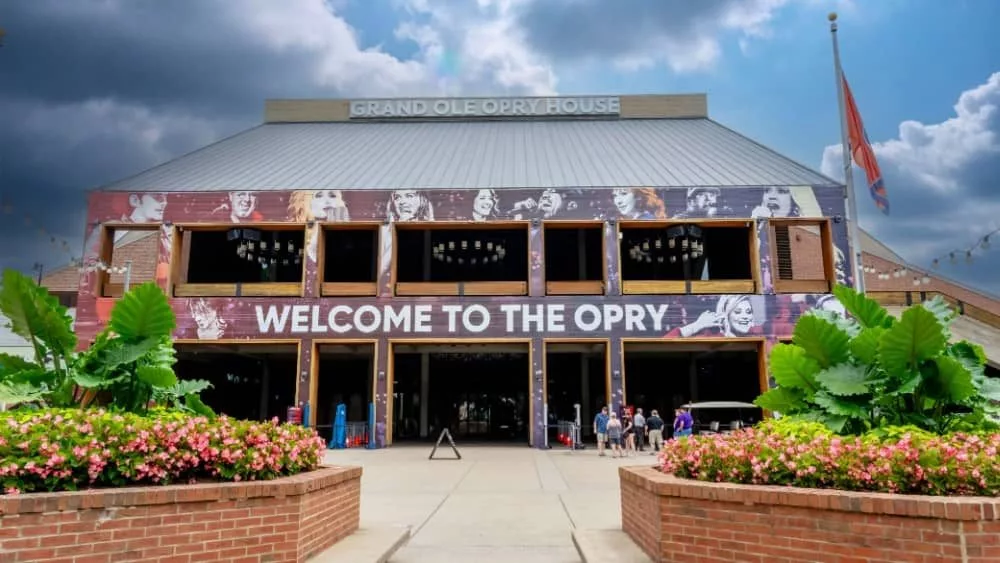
x,y
898,460
69,449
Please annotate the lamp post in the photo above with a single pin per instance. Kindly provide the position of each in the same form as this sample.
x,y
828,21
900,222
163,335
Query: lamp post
x,y
38,267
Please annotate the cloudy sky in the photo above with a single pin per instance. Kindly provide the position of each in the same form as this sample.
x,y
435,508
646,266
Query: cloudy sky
x,y
95,90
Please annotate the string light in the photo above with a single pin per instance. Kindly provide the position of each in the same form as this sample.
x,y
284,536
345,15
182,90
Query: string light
x,y
60,244
101,266
952,256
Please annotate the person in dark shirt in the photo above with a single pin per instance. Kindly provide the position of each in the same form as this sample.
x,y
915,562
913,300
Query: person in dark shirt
x,y
654,424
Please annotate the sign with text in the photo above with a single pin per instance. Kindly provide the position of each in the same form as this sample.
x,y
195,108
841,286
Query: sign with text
x,y
466,319
486,107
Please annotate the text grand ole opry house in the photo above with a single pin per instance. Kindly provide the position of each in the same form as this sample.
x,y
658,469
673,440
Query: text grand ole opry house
x,y
480,264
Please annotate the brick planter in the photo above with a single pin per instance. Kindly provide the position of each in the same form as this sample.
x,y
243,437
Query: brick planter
x,y
675,519
288,519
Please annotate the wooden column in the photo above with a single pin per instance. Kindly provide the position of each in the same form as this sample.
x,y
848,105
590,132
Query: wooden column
x,y
313,261
611,247
762,260
383,372
536,260
617,375
538,420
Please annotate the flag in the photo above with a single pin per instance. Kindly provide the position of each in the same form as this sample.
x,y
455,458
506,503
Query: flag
x,y
862,152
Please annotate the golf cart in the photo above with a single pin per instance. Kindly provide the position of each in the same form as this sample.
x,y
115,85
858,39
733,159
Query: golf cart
x,y
707,416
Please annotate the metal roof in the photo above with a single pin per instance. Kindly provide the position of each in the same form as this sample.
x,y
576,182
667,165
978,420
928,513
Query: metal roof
x,y
477,154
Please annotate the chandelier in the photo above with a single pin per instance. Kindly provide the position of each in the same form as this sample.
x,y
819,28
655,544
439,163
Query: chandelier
x,y
677,243
253,246
472,252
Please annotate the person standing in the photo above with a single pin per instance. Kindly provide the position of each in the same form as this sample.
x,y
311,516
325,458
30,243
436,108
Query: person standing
x,y
614,430
601,430
640,428
683,424
654,425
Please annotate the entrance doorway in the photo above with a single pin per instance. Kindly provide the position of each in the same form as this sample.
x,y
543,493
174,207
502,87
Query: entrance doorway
x,y
665,375
480,392
249,381
576,373
345,375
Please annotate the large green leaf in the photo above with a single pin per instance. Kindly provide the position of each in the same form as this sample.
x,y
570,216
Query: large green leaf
x,y
143,312
118,352
191,386
90,381
865,310
16,393
782,400
918,336
157,376
846,324
10,364
844,380
821,340
791,367
951,382
835,422
36,315
990,389
839,406
196,405
939,307
864,346
972,356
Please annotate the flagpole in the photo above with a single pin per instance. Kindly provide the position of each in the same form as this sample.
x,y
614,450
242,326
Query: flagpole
x,y
852,203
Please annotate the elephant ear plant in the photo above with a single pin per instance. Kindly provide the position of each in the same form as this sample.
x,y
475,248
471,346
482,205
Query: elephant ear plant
x,y
873,371
129,364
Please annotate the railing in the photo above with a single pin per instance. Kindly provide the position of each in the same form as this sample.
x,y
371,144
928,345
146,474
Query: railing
x,y
906,298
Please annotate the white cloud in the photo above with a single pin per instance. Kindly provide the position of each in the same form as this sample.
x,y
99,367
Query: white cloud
x,y
941,178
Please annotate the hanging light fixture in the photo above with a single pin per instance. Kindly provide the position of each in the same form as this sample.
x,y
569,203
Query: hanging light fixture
x,y
679,243
254,246
474,251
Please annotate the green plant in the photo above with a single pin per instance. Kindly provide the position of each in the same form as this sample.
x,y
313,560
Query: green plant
x,y
132,359
35,315
70,449
805,454
873,370
129,364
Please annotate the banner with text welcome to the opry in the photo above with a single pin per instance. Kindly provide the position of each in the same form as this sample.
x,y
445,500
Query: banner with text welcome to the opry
x,y
724,316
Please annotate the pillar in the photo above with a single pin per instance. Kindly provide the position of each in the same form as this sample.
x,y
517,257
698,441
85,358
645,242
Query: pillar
x,y
585,406
536,274
617,388
313,260
611,252
385,261
425,391
427,255
383,429
303,389
165,258
764,255
538,422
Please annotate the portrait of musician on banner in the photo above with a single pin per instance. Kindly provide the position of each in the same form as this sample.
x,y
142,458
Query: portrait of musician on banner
x,y
240,207
550,204
209,324
409,205
145,208
733,316
704,202
638,203
485,206
787,201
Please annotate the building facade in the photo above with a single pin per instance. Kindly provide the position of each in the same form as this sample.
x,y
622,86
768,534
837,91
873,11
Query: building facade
x,y
608,222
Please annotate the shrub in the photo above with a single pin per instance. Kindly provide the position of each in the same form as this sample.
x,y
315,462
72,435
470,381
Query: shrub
x,y
873,371
129,364
70,449
908,461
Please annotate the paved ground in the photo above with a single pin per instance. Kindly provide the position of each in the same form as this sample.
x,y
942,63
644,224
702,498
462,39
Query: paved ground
x,y
496,504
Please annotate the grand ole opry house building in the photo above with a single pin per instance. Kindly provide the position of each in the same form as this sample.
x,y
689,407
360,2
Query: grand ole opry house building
x,y
480,264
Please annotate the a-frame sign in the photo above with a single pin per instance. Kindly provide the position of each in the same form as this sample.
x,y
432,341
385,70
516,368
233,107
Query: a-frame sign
x,y
445,434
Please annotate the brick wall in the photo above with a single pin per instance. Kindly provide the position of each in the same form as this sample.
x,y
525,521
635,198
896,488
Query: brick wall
x,y
288,519
682,520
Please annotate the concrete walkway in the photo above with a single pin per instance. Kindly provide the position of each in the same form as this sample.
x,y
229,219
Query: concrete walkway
x,y
496,504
